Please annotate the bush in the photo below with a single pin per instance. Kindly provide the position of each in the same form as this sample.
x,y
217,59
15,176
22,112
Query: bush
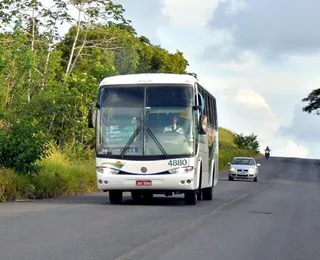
x,y
57,177
14,187
23,144
60,177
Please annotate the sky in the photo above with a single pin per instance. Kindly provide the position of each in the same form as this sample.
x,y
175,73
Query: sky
x,y
258,58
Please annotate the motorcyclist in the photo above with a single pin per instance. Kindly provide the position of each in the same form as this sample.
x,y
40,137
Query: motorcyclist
x,y
267,152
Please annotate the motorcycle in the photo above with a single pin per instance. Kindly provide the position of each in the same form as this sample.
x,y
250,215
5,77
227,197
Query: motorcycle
x,y
267,154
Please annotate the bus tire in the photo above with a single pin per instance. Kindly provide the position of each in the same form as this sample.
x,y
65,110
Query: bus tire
x,y
115,196
136,195
147,196
190,197
207,193
199,191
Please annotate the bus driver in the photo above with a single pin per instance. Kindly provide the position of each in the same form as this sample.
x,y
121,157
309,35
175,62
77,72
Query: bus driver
x,y
174,127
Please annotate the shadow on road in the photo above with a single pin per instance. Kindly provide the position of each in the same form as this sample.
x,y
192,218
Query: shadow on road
x,y
102,198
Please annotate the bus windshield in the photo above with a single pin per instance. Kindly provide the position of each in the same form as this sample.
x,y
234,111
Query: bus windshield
x,y
145,121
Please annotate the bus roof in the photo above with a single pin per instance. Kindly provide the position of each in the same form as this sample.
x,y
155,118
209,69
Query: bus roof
x,y
147,78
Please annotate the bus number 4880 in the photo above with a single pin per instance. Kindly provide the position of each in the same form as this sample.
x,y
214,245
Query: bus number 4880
x,y
178,162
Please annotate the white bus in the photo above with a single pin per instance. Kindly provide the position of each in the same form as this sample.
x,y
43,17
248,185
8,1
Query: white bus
x,y
155,134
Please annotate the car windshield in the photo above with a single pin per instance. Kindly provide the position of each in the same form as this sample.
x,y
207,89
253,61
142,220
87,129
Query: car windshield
x,y
243,161
145,121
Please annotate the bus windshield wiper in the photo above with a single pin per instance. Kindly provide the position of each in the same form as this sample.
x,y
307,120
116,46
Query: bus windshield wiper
x,y
157,142
135,133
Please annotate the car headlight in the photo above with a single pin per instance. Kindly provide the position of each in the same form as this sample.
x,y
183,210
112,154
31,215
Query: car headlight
x,y
181,170
232,169
251,171
107,170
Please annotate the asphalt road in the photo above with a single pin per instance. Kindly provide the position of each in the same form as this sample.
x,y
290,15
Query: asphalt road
x,y
276,218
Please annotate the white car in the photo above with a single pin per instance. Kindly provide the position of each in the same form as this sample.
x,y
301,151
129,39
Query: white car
x,y
243,168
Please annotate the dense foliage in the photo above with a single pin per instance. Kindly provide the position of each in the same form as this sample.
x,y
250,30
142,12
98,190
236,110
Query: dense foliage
x,y
313,100
248,142
22,145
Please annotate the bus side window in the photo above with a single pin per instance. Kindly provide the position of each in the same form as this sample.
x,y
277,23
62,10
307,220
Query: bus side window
x,y
198,101
212,112
203,97
209,110
215,114
205,103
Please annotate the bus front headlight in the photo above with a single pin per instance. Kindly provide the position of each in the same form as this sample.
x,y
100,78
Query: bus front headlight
x,y
107,170
181,170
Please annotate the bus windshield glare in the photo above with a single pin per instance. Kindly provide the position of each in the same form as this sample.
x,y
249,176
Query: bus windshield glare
x,y
145,121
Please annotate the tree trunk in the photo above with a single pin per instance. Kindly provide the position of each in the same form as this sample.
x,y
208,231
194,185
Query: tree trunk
x,y
32,49
68,71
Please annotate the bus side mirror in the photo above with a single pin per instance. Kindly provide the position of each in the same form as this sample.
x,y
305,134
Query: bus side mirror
x,y
91,115
195,108
203,125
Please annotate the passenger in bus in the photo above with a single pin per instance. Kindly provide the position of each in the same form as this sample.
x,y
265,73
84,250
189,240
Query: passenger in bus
x,y
174,127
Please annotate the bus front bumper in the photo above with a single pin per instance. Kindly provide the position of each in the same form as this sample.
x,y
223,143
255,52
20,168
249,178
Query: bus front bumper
x,y
176,182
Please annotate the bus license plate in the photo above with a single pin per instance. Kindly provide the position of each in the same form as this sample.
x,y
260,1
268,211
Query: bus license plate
x,y
143,183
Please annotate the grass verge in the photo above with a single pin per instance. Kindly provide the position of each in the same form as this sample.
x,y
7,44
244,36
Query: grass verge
x,y
58,177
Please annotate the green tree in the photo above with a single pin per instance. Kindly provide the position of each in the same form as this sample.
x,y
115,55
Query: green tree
x,y
249,142
91,12
31,17
313,100
156,59
17,61
23,143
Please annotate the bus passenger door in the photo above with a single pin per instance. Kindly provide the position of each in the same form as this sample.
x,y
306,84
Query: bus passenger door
x,y
205,160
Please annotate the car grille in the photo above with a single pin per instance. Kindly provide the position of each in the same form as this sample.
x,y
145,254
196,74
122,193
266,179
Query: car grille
x,y
242,170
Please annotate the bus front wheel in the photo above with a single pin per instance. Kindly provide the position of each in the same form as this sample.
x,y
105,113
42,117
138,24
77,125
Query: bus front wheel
x,y
190,197
207,193
115,196
136,195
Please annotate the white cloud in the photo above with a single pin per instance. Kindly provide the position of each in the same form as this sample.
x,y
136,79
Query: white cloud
x,y
189,14
146,17
289,148
251,99
248,112
242,109
294,150
195,14
303,126
274,29
234,6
